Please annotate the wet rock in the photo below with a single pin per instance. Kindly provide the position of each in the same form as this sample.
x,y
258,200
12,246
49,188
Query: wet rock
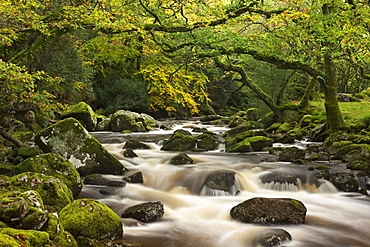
x,y
83,113
240,147
223,181
134,144
72,141
54,192
23,210
259,143
52,164
91,219
271,237
325,174
344,181
180,140
291,154
123,120
181,159
129,153
146,212
26,238
278,177
207,141
98,179
135,178
103,125
268,211
57,233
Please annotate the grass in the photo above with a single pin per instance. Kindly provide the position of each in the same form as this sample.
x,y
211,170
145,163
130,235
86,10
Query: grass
x,y
353,112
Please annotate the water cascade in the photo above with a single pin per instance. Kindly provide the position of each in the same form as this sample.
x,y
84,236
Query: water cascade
x,y
196,215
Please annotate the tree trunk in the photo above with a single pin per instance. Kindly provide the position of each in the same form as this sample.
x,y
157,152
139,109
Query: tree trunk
x,y
334,117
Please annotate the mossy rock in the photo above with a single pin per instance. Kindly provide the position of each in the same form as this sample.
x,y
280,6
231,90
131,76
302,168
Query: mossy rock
x,y
72,141
207,141
222,180
284,128
306,120
240,147
7,169
344,181
28,238
250,133
259,143
57,233
91,219
273,128
83,113
180,140
126,120
135,144
54,193
181,159
290,154
23,210
9,241
146,212
52,164
247,125
358,165
103,125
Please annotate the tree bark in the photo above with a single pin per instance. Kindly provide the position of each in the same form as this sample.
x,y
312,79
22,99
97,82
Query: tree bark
x,y
10,138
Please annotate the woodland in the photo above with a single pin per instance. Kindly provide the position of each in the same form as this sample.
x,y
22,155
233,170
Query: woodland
x,y
182,58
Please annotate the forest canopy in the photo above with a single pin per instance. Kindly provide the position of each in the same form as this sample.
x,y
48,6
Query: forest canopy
x,y
179,56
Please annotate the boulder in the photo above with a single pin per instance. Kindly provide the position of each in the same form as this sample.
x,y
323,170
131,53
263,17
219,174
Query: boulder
x,y
344,181
268,211
129,153
123,120
290,154
54,193
103,125
220,181
146,212
134,144
57,233
91,219
253,114
24,238
136,177
250,133
23,210
207,141
247,125
271,237
180,140
52,164
83,113
260,143
72,141
240,147
98,179
181,159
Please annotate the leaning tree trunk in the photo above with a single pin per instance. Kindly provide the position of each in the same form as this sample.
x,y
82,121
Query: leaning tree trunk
x,y
334,117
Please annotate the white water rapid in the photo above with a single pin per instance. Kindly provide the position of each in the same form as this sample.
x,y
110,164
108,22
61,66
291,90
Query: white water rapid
x,y
196,217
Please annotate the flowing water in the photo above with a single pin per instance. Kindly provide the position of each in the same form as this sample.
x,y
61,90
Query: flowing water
x,y
200,217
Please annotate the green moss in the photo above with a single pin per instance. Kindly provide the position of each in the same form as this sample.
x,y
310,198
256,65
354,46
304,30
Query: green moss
x,y
240,147
57,234
358,165
298,205
284,128
52,164
258,143
9,241
53,191
273,127
91,219
28,238
341,144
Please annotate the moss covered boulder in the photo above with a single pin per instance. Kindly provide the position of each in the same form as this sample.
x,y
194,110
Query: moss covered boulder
x,y
180,140
207,141
91,219
54,193
344,181
25,238
135,144
57,233
53,165
267,211
260,143
247,125
23,210
123,120
181,159
240,147
290,154
72,141
83,113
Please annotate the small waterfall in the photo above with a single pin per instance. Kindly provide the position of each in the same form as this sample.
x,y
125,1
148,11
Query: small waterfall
x,y
280,186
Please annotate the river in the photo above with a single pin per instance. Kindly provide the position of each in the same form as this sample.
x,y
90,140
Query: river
x,y
198,217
